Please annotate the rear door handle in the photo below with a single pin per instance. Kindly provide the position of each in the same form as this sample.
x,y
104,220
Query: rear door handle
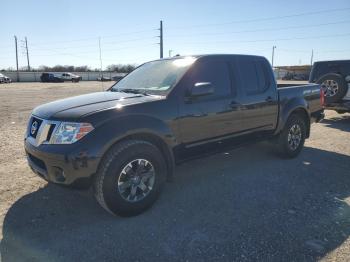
x,y
269,99
234,104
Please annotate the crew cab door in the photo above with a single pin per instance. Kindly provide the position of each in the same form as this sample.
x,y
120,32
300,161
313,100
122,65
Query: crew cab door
x,y
259,97
210,116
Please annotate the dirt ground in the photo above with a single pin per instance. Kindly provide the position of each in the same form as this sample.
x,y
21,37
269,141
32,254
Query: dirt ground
x,y
243,205
16,103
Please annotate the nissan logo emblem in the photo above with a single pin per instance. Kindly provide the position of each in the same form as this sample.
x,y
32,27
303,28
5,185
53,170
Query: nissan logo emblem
x,y
34,127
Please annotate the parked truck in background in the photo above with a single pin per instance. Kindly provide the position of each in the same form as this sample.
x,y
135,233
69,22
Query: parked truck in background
x,y
126,141
334,78
4,79
59,78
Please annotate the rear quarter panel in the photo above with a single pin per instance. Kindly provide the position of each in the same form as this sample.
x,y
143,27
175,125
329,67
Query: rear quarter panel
x,y
305,97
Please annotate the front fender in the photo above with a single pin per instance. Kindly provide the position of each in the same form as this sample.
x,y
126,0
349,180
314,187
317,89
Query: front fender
x,y
116,129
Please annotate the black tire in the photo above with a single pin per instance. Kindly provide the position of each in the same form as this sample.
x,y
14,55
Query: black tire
x,y
340,82
105,183
284,145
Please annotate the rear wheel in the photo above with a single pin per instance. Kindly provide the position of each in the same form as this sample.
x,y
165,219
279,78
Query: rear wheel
x,y
291,139
130,178
333,86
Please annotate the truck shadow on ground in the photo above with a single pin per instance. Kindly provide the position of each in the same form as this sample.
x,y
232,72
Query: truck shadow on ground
x,y
245,204
341,122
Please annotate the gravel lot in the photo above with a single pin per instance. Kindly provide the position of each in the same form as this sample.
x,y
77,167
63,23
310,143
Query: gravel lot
x,y
243,205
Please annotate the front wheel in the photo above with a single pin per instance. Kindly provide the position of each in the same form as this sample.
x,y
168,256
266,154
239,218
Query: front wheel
x,y
130,178
291,139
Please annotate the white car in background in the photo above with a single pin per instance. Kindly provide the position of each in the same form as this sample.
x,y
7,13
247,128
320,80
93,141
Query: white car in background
x,y
4,79
69,77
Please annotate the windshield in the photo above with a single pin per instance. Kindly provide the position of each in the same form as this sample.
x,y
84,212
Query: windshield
x,y
156,77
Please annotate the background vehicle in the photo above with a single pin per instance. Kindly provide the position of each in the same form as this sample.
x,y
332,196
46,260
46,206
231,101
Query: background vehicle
x,y
104,78
56,78
49,77
292,76
334,78
4,79
117,78
127,140
70,77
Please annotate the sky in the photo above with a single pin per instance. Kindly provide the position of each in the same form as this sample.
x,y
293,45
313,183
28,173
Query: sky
x,y
67,32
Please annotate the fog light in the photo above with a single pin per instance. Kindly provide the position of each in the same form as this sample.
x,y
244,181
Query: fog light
x,y
59,174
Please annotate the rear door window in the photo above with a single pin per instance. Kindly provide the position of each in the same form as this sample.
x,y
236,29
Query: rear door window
x,y
254,76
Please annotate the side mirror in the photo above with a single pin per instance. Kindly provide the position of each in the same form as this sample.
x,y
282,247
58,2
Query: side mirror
x,y
202,89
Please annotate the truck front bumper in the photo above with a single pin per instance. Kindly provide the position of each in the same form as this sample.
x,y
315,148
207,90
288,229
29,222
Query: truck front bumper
x,y
61,164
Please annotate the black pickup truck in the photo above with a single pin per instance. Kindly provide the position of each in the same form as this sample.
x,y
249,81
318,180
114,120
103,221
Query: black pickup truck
x,y
127,140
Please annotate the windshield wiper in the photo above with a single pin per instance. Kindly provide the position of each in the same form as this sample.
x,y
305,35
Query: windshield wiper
x,y
130,90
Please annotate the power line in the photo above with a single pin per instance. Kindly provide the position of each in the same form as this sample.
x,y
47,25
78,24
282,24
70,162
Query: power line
x,y
269,40
261,30
267,18
334,51
85,57
317,51
91,38
108,43
91,52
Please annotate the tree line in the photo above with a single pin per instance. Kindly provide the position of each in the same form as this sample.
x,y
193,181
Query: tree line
x,y
120,68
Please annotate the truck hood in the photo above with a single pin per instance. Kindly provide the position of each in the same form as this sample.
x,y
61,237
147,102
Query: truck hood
x,y
79,106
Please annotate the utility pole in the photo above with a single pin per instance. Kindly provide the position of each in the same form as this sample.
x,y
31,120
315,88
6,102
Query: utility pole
x,y
16,58
99,45
27,53
161,39
273,54
312,57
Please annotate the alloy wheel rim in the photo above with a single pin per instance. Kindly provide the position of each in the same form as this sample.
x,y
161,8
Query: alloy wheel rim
x,y
294,137
136,180
330,88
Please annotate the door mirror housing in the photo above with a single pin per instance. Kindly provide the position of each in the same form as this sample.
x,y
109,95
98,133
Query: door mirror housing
x,y
202,89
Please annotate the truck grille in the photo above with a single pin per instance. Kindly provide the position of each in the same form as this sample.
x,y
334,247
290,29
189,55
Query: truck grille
x,y
34,126
40,130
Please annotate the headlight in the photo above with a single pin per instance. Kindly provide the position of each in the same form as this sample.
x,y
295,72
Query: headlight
x,y
68,133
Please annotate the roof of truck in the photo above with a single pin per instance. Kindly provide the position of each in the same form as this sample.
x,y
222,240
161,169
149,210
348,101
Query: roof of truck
x,y
210,55
333,61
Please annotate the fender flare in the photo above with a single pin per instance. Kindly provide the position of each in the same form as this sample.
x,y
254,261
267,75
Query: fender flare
x,y
296,105
138,127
